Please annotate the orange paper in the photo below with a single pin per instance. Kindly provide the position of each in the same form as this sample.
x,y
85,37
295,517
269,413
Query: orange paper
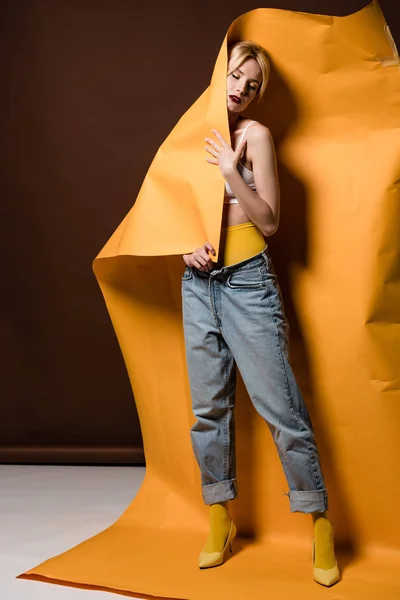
x,y
333,106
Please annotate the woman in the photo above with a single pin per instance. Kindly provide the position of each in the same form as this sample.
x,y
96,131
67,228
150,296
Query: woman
x,y
233,314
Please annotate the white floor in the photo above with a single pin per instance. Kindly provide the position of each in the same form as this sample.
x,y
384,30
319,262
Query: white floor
x,y
45,510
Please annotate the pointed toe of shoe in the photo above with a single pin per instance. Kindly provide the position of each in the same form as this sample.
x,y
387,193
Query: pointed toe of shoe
x,y
210,559
326,577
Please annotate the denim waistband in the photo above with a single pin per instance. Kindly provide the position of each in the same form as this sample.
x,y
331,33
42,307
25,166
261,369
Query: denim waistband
x,y
254,261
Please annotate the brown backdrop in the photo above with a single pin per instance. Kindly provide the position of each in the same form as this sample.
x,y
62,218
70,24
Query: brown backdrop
x,y
90,90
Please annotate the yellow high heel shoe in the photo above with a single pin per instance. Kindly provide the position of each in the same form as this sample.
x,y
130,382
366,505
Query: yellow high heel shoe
x,y
213,559
324,576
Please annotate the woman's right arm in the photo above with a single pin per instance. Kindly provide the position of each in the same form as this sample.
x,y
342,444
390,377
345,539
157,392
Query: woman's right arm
x,y
200,258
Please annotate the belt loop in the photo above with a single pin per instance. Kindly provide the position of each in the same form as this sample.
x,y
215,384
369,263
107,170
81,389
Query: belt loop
x,y
265,256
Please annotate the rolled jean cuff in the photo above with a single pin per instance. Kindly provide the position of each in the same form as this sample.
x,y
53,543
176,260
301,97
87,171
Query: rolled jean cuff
x,y
219,492
308,501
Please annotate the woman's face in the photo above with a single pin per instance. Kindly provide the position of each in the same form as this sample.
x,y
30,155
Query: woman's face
x,y
242,85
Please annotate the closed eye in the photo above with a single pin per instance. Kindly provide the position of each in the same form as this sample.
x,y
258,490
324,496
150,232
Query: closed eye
x,y
252,87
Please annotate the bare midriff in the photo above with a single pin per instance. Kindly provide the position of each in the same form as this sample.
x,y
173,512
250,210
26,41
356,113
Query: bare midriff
x,y
233,214
240,238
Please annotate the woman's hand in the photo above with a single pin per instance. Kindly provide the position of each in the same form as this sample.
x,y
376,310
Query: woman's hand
x,y
223,155
199,258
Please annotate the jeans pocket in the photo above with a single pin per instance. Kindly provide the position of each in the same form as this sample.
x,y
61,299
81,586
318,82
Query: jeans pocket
x,y
246,279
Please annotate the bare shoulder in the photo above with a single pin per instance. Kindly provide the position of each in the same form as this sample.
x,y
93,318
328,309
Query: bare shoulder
x,y
259,142
259,132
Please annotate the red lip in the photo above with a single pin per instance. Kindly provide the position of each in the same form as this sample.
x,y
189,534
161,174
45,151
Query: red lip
x,y
235,99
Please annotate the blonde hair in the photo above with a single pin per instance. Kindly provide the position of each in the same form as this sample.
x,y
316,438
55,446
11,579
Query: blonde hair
x,y
241,51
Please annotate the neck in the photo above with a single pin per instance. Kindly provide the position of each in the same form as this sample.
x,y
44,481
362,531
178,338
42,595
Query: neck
x,y
232,119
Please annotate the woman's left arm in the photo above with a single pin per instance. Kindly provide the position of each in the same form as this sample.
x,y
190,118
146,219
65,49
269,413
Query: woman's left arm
x,y
263,206
263,157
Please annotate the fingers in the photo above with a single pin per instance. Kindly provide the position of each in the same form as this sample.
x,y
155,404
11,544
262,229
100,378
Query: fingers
x,y
201,267
213,144
202,258
214,149
211,151
240,149
221,139
214,153
208,246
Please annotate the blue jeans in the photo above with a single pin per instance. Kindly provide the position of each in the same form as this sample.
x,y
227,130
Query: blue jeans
x,y
234,316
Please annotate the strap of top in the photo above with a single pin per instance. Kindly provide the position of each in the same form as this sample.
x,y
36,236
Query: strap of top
x,y
244,130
